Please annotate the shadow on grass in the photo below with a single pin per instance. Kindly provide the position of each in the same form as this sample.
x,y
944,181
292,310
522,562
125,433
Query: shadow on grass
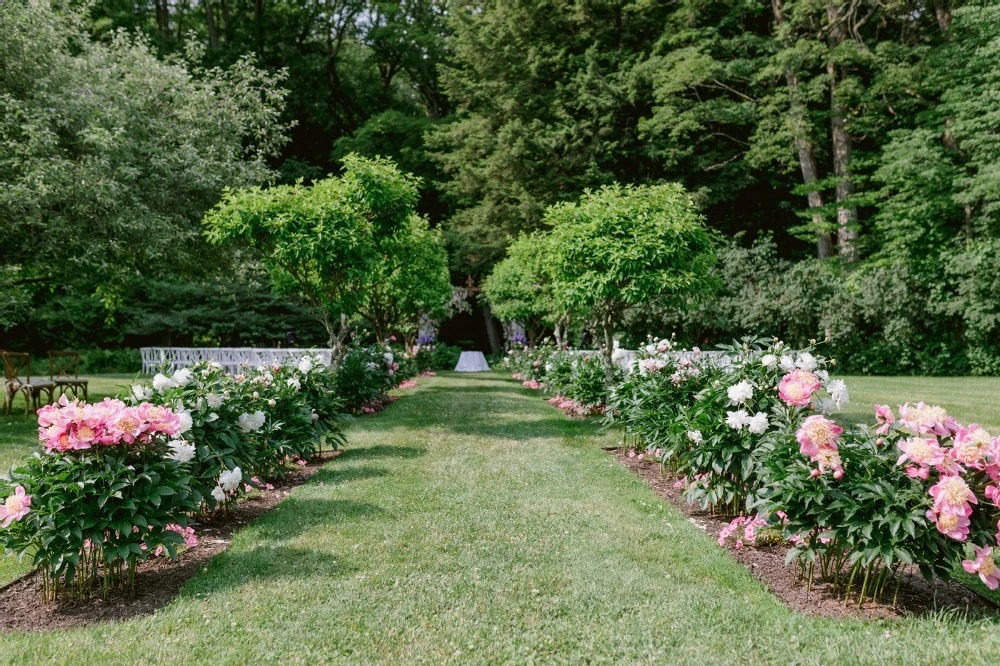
x,y
338,475
267,563
382,450
297,514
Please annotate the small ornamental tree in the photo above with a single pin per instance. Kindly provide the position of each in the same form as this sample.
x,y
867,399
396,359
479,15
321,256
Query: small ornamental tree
x,y
322,241
410,280
520,288
620,248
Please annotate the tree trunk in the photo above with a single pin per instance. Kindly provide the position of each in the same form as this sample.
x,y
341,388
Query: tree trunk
x,y
847,212
496,346
942,12
806,151
608,348
213,33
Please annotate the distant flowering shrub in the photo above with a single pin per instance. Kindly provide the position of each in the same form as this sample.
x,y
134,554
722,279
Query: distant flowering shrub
x,y
577,378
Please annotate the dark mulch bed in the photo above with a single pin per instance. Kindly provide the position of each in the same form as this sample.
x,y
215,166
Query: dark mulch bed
x,y
158,580
767,564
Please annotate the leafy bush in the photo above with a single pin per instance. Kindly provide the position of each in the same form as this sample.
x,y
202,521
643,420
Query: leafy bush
x,y
101,499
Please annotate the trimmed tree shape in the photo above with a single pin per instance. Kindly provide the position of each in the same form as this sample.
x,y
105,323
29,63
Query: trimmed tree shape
x,y
626,247
520,287
324,241
411,280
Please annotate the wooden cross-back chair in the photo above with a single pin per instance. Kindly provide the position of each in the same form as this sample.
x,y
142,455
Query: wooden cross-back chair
x,y
17,379
64,372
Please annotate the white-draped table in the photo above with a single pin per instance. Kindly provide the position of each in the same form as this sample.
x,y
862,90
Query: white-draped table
x,y
472,362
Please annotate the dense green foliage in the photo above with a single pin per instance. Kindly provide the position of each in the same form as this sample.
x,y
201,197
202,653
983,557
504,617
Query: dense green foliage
x,y
350,246
858,136
617,249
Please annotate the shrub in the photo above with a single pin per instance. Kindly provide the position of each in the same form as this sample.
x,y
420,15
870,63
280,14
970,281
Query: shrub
x,y
102,498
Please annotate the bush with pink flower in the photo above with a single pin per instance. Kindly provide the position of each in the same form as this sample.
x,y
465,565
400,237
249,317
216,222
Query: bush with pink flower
x,y
917,488
100,497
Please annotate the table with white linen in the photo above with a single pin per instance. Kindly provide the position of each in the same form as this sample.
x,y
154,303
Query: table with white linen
x,y
472,362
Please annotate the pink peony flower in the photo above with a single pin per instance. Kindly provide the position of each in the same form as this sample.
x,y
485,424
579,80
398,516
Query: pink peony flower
x,y
884,419
984,566
816,433
952,525
952,495
927,419
797,387
16,507
922,451
970,446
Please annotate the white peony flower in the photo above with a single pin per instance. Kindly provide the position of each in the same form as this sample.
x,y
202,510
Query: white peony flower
x,y
230,479
161,383
769,360
787,363
388,357
838,392
740,393
214,400
180,451
758,423
650,349
305,365
294,383
737,420
142,392
182,377
252,422
186,421
806,361
219,494
695,436
823,375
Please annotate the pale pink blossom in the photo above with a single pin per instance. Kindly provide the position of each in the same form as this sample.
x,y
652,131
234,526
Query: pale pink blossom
x,y
16,507
797,387
884,418
984,566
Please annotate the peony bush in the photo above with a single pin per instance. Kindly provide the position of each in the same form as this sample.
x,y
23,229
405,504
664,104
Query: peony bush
x,y
117,482
105,492
752,432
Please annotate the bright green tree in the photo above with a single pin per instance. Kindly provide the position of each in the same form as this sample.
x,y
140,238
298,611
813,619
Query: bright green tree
x,y
110,156
519,289
620,248
408,281
323,242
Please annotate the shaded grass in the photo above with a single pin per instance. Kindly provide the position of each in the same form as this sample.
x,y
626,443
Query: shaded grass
x,y
482,527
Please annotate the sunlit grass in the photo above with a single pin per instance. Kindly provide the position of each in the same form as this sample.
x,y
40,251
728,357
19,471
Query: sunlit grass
x,y
471,523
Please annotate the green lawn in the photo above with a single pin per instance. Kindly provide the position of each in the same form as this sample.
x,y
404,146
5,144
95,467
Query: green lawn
x,y
969,399
474,524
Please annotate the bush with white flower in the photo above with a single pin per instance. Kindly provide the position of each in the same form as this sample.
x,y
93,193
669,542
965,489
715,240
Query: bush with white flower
x,y
743,401
108,489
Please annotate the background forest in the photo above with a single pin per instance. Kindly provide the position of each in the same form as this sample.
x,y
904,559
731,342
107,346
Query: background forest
x,y
849,151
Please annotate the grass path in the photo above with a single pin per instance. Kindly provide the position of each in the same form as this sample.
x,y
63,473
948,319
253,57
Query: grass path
x,y
473,524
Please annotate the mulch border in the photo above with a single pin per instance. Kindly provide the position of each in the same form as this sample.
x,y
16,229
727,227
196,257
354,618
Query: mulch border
x,y
767,564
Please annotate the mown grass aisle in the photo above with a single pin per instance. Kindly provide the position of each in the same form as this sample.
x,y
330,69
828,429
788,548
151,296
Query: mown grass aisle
x,y
473,523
